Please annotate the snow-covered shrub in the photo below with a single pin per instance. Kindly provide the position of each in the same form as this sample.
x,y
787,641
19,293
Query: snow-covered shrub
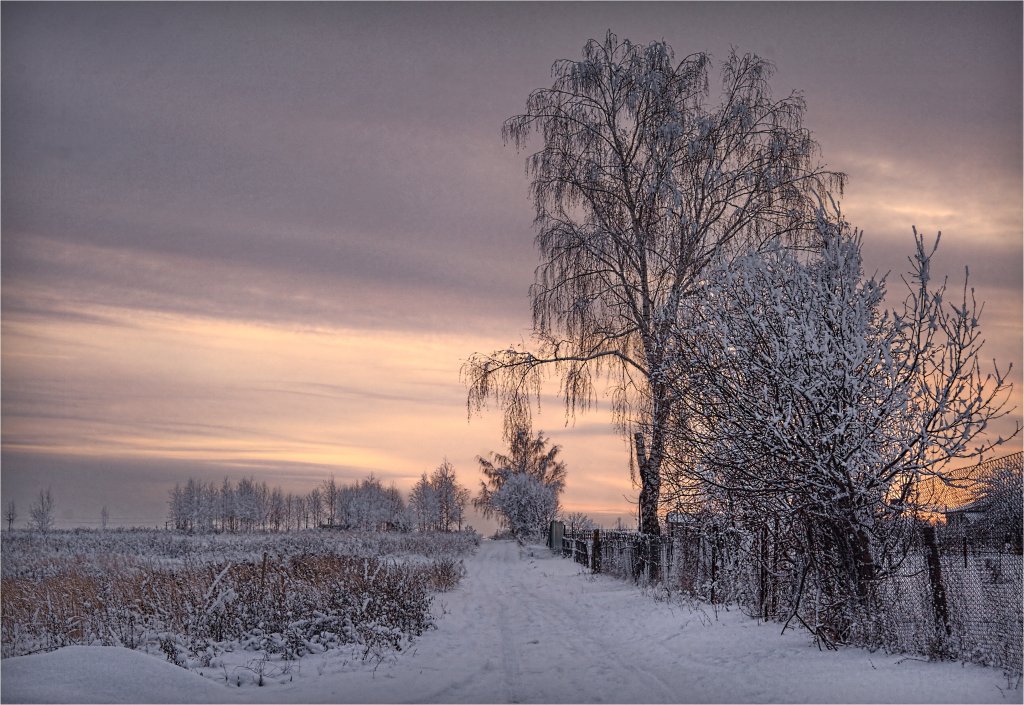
x,y
823,409
525,504
303,593
534,477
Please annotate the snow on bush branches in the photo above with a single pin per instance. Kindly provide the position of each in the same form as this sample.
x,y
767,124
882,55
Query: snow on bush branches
x,y
819,406
522,488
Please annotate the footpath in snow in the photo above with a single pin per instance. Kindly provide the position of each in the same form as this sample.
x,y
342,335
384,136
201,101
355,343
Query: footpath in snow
x,y
525,626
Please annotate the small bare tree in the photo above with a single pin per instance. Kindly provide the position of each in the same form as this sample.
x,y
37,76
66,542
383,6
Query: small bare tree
x,y
576,522
639,184
329,496
104,517
10,514
42,511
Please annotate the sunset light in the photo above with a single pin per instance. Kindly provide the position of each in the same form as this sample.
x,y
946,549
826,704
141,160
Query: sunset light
x,y
295,296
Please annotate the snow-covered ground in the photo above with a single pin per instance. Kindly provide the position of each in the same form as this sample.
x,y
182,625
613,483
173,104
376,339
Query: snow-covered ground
x,y
528,627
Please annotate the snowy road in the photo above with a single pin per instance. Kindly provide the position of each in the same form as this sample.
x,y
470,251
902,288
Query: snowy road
x,y
527,627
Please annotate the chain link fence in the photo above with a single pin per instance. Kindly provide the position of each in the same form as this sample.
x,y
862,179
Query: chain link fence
x,y
965,602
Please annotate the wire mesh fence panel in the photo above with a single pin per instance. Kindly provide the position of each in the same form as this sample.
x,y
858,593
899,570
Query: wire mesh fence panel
x,y
980,619
985,608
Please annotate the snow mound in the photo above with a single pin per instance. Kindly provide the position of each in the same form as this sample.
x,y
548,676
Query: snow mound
x,y
91,674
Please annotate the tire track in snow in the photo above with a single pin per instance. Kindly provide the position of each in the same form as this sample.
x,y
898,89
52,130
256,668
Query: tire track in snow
x,y
509,656
465,659
528,627
579,627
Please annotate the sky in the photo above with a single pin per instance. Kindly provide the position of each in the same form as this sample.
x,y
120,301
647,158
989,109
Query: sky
x,y
260,239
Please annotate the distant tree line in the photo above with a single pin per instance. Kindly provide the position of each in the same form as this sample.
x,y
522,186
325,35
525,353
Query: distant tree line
x,y
436,504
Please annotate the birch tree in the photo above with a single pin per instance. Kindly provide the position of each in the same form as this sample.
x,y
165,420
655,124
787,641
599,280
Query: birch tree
x,y
249,504
451,497
423,502
228,510
315,506
275,509
640,181
438,502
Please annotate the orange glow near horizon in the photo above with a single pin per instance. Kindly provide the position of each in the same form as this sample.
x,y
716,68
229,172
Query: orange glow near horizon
x,y
239,395
308,402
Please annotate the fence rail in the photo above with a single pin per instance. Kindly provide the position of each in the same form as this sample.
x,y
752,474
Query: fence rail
x,y
948,598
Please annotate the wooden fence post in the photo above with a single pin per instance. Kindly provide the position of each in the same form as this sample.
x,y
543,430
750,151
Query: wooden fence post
x,y
763,573
714,562
595,552
556,531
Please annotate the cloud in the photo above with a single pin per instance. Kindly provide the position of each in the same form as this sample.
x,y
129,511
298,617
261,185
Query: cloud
x,y
159,173
343,163
265,235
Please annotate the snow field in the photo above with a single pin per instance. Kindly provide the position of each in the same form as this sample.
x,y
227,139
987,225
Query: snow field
x,y
524,626
34,554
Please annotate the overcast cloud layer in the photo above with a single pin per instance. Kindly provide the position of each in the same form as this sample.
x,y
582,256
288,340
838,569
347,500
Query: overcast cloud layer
x,y
261,237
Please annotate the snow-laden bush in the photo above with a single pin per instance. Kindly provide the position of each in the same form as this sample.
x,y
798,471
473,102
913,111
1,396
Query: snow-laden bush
x,y
522,488
821,409
525,504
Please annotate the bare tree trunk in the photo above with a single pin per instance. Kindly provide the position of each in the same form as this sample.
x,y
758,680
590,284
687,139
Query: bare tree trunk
x,y
865,563
649,466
